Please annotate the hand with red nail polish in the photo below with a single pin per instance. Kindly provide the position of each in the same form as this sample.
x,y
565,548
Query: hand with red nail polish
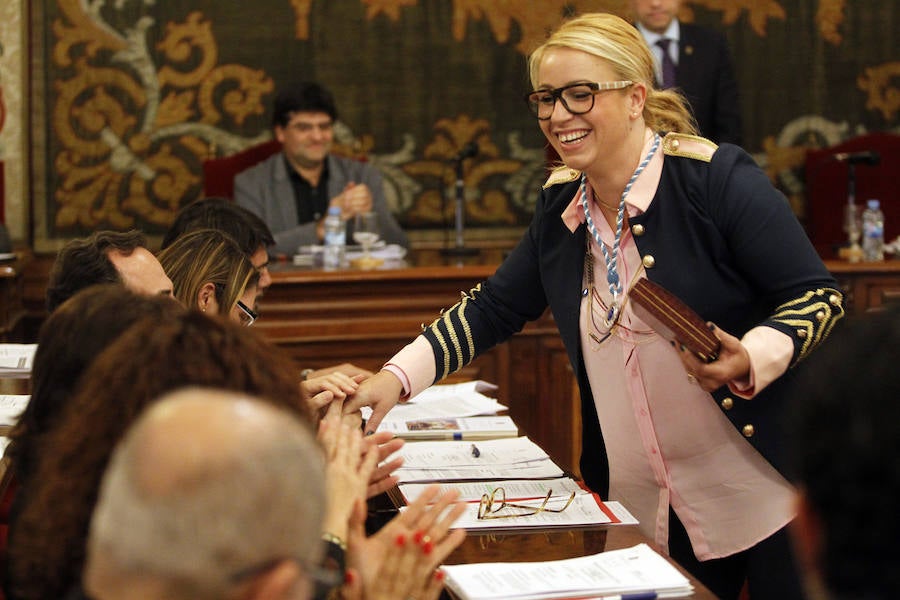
x,y
399,561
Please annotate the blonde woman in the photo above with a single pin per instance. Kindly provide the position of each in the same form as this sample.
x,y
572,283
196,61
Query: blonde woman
x,y
677,440
211,273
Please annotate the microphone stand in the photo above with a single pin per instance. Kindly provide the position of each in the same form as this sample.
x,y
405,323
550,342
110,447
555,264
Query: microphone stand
x,y
851,215
460,248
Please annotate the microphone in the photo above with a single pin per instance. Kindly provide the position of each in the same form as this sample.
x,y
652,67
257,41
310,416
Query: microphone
x,y
468,151
866,157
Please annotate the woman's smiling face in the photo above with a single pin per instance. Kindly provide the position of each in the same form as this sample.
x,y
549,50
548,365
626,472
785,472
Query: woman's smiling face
x,y
582,140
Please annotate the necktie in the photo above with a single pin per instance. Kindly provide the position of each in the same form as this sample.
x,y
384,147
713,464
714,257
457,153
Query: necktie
x,y
668,65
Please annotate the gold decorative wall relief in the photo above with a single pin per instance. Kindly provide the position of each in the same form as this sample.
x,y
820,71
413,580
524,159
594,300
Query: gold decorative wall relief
x,y
882,86
136,93
133,121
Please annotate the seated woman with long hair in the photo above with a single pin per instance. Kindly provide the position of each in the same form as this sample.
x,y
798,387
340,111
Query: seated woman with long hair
x,y
211,273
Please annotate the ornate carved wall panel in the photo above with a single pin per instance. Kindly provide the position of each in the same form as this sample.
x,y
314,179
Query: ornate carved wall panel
x,y
131,95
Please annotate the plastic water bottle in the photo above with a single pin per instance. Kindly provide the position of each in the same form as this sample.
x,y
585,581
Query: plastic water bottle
x,y
335,239
873,231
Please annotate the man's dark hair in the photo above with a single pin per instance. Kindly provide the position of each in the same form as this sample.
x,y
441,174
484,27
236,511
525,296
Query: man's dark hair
x,y
85,262
305,96
845,449
244,227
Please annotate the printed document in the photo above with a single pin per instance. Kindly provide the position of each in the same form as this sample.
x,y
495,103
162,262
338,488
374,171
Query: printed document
x,y
508,458
11,407
627,571
16,360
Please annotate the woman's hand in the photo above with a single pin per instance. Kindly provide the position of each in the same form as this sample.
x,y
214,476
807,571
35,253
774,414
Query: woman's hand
x,y
318,392
400,560
382,478
732,364
348,469
384,443
381,391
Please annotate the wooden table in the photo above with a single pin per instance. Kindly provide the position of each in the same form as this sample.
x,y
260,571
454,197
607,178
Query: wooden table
x,y
867,285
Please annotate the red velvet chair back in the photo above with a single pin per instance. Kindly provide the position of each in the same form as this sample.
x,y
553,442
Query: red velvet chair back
x,y
218,173
826,189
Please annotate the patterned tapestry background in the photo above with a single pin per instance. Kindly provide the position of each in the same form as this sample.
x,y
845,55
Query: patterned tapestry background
x,y
132,95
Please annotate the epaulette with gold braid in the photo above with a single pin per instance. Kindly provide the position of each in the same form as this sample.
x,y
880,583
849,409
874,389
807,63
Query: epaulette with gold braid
x,y
689,146
812,317
562,174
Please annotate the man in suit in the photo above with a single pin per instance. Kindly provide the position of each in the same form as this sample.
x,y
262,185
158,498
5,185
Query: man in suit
x,y
695,60
292,190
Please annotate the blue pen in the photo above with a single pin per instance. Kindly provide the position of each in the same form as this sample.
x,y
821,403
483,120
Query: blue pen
x,y
634,596
475,451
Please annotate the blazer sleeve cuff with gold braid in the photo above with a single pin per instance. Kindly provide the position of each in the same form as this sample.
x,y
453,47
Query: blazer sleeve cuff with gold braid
x,y
808,319
451,337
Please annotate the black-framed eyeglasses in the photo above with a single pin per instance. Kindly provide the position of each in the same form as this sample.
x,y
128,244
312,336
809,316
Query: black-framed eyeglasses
x,y
248,316
492,504
577,98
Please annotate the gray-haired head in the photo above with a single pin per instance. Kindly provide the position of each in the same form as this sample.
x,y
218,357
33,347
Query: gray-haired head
x,y
207,485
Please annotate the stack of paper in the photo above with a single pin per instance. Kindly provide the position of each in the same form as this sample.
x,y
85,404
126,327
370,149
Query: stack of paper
x,y
628,571
449,401
16,360
11,406
510,458
520,489
461,428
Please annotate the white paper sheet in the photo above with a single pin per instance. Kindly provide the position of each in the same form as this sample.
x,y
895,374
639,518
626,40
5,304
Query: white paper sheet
x,y
636,569
11,407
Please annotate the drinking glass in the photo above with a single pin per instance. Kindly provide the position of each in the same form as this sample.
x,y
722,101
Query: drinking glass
x,y
365,232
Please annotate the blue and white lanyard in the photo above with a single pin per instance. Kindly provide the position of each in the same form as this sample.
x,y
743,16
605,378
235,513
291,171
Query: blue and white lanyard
x,y
612,272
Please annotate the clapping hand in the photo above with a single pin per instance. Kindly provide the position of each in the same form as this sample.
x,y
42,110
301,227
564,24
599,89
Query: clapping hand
x,y
382,478
348,467
355,199
400,560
